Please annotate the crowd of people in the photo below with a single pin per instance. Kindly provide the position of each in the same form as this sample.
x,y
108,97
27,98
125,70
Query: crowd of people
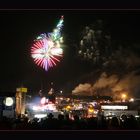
x,y
63,122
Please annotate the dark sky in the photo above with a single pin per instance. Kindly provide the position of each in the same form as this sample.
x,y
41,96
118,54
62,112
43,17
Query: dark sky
x,y
19,28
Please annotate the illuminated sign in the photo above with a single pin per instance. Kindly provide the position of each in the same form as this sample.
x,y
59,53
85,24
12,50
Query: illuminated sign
x,y
22,90
114,107
40,115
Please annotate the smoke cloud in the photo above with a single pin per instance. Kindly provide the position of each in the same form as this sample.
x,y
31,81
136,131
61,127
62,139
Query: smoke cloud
x,y
120,65
111,86
83,89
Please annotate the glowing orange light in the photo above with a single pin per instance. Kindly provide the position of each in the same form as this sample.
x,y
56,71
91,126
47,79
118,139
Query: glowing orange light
x,y
91,110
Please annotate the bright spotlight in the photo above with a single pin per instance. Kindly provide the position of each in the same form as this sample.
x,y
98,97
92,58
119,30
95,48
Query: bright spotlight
x,y
43,101
131,100
9,101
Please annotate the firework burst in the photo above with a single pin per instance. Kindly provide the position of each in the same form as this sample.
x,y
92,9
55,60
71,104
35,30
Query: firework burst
x,y
46,49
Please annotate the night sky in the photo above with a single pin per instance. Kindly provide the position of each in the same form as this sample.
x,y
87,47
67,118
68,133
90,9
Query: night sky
x,y
18,29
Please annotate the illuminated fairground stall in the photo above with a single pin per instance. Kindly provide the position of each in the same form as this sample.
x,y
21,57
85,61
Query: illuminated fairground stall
x,y
42,108
118,109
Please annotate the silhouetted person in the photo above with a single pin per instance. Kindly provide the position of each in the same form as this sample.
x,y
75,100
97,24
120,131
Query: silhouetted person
x,y
67,117
114,123
50,116
60,117
123,121
100,119
132,123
